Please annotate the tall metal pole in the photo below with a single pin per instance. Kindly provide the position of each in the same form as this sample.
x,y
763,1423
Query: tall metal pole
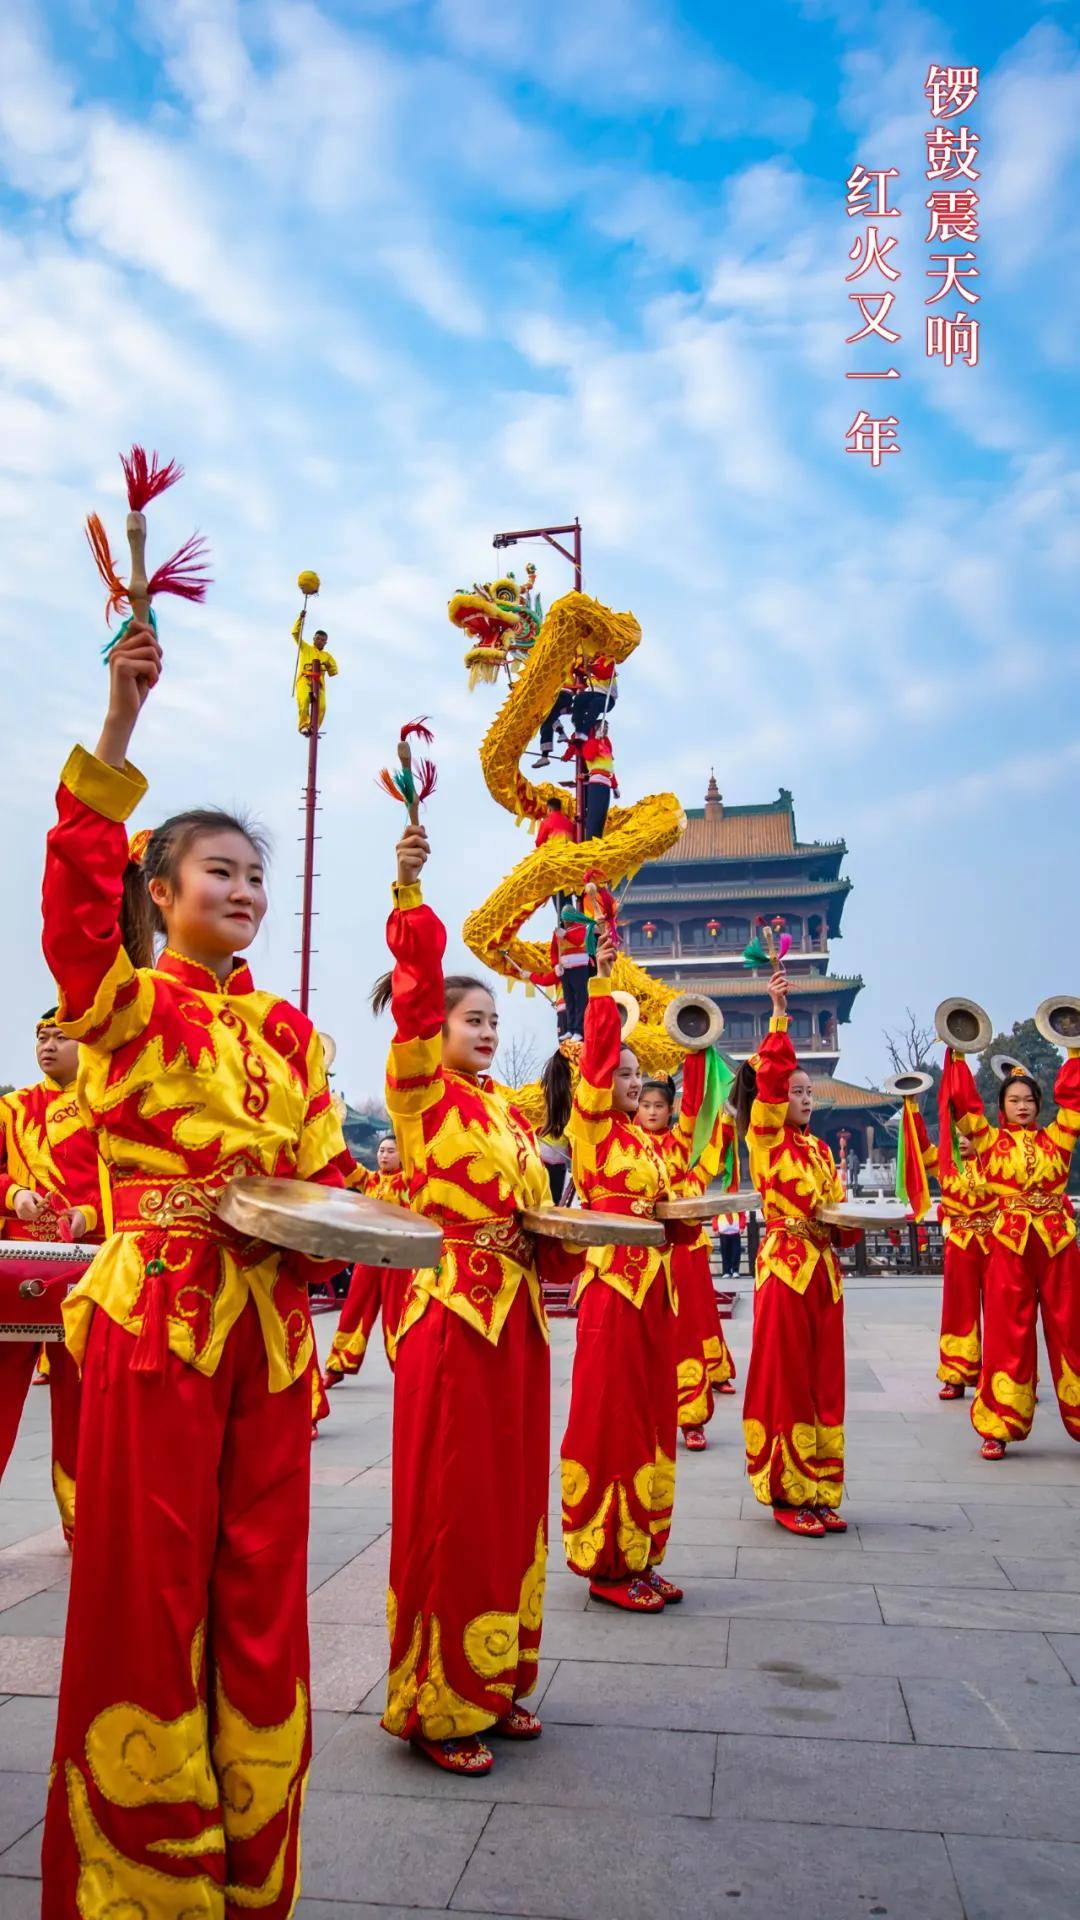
x,y
573,554
311,795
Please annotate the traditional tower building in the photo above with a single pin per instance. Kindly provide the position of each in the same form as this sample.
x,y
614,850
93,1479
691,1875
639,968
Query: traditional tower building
x,y
689,914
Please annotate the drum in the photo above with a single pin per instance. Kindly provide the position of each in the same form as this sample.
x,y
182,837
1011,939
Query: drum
x,y
866,1214
581,1227
695,1206
34,1277
330,1223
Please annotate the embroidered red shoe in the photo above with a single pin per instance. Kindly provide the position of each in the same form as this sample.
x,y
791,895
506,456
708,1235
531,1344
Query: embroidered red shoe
x,y
799,1520
633,1596
952,1390
456,1756
993,1449
519,1724
667,1589
726,1386
831,1520
694,1440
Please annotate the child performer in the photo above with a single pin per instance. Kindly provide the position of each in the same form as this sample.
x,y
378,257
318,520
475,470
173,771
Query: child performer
x,y
600,782
793,1409
1034,1266
48,1184
183,1737
618,1451
468,1543
371,1288
311,655
967,1213
700,1348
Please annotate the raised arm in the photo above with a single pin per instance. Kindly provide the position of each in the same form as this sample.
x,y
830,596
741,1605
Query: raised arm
x,y
416,938
776,1064
1064,1129
966,1103
590,1115
102,1000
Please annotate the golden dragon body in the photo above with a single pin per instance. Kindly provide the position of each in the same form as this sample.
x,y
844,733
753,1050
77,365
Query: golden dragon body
x,y
576,626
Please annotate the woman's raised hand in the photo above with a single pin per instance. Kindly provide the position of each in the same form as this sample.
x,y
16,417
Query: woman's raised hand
x,y
605,956
412,852
778,991
134,668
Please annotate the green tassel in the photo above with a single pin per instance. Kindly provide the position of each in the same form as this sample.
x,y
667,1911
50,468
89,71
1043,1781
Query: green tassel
x,y
755,954
718,1083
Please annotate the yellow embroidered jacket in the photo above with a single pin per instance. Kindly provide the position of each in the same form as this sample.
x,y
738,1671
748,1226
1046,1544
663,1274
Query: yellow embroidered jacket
x,y
46,1145
795,1174
617,1166
1025,1168
968,1207
677,1144
187,1082
470,1159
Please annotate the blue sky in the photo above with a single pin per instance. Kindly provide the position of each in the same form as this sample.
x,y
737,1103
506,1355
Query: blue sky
x,y
388,278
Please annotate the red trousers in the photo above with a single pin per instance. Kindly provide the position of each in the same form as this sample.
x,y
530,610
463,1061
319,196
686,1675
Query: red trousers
x,y
793,1409
618,1451
468,1540
18,1359
697,1349
183,1734
371,1290
961,1312
1019,1287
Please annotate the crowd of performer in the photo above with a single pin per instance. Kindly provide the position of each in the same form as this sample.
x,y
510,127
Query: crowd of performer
x,y
189,1376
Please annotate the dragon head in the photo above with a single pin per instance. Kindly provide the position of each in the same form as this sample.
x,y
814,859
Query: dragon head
x,y
501,621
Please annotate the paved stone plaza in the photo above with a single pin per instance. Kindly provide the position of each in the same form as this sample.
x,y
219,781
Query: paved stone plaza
x,y
886,1723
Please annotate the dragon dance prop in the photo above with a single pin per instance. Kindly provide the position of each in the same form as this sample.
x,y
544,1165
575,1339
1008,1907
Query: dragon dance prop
x,y
502,621
183,575
575,627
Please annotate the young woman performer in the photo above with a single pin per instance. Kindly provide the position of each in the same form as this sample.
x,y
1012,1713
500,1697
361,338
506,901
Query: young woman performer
x,y
793,1410
1034,1265
183,1738
468,1543
967,1215
370,1288
49,1186
618,1452
700,1348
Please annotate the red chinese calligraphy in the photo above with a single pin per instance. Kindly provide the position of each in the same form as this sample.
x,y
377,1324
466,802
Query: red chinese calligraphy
x,y
874,322
954,214
952,339
953,276
872,253
873,437
951,153
868,193
951,90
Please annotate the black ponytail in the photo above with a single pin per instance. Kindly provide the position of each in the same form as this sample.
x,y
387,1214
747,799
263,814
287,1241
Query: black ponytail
x,y
557,1085
742,1096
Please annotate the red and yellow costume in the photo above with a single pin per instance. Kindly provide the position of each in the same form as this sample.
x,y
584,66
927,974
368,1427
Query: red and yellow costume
x,y
702,1360
967,1213
1034,1266
45,1146
370,1289
183,1736
793,1411
468,1543
618,1451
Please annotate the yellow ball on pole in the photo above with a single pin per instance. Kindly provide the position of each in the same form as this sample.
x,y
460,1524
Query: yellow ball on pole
x,y
308,582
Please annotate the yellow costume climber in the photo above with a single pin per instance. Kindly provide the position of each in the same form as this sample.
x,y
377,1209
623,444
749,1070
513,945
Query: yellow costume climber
x,y
308,653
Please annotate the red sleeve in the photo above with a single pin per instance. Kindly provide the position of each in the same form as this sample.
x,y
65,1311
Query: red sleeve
x,y
416,938
602,1042
86,854
1067,1084
693,1085
776,1064
550,979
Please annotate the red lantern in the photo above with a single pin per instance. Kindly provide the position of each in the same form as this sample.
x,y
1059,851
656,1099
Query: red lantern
x,y
648,928
712,928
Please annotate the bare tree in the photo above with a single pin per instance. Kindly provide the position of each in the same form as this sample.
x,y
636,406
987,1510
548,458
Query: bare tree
x,y
909,1050
518,1059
